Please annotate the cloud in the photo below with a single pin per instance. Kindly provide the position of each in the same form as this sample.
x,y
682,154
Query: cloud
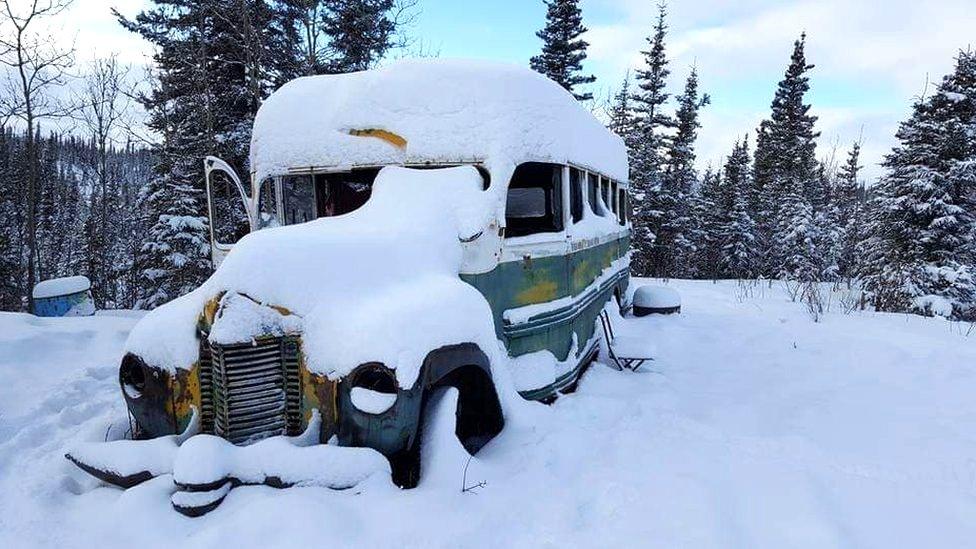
x,y
871,59
90,27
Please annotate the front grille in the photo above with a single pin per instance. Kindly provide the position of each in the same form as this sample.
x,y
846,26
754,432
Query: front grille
x,y
249,392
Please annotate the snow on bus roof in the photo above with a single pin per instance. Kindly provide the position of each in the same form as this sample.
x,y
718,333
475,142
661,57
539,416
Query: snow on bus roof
x,y
446,111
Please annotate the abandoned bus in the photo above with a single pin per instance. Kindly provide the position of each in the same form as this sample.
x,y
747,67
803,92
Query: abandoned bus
x,y
418,226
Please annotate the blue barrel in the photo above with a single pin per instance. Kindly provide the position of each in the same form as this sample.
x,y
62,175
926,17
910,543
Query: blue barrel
x,y
69,296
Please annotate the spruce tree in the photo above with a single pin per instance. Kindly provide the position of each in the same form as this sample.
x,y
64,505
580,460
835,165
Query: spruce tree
x,y
563,51
621,113
675,244
708,219
11,256
174,258
849,214
786,169
647,153
215,62
738,230
922,221
360,32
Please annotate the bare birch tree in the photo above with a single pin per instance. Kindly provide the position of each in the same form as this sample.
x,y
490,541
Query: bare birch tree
x,y
36,66
102,108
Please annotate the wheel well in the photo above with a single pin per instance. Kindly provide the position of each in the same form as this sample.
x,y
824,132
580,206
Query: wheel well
x,y
479,414
466,368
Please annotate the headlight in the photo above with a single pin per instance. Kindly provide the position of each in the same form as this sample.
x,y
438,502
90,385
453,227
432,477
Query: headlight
x,y
132,375
374,388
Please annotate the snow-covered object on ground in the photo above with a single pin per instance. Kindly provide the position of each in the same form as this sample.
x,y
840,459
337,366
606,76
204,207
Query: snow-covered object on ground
x,y
447,111
649,299
378,284
207,460
68,296
128,462
630,339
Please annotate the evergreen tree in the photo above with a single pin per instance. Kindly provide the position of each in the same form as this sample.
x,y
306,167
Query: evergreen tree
x,y
923,220
826,235
215,60
796,237
360,32
785,172
563,51
621,113
675,244
762,202
708,218
647,152
738,230
11,256
849,214
174,257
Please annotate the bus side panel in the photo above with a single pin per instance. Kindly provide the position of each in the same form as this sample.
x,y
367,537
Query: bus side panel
x,y
540,280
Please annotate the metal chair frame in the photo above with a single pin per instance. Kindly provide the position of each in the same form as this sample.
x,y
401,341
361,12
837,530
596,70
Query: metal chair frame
x,y
620,362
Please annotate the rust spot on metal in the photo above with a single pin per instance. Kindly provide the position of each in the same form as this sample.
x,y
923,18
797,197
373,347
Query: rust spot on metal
x,y
388,136
185,391
319,393
542,291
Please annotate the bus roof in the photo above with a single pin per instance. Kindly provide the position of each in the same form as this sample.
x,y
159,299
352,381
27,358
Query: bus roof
x,y
429,111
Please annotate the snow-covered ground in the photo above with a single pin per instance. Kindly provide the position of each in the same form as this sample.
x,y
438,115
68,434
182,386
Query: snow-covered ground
x,y
755,427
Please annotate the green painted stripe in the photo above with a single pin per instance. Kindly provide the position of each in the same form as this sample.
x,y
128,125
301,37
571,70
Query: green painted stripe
x,y
568,313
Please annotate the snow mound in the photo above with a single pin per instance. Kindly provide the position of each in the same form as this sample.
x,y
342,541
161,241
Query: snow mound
x,y
206,460
240,319
447,111
378,284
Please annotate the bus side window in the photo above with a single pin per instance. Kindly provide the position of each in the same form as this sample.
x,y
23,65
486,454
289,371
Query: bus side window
x,y
576,194
605,193
268,204
615,206
624,206
593,192
534,202
298,198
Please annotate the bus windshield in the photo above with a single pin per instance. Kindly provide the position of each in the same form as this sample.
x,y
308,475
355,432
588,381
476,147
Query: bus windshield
x,y
308,197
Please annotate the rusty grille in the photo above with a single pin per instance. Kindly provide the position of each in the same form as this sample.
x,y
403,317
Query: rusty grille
x,y
249,392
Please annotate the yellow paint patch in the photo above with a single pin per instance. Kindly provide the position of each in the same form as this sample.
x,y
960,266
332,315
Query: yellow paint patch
x,y
185,388
539,292
390,137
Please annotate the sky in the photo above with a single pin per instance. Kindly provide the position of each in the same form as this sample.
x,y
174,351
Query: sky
x,y
873,58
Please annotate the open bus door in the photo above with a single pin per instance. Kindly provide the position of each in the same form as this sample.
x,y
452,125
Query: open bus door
x,y
229,206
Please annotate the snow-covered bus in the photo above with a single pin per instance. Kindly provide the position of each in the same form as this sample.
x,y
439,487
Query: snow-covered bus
x,y
428,224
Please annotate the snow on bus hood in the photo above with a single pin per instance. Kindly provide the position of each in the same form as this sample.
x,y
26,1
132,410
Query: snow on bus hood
x,y
378,284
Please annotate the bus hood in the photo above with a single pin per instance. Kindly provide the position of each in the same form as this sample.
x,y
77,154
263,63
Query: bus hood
x,y
378,284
